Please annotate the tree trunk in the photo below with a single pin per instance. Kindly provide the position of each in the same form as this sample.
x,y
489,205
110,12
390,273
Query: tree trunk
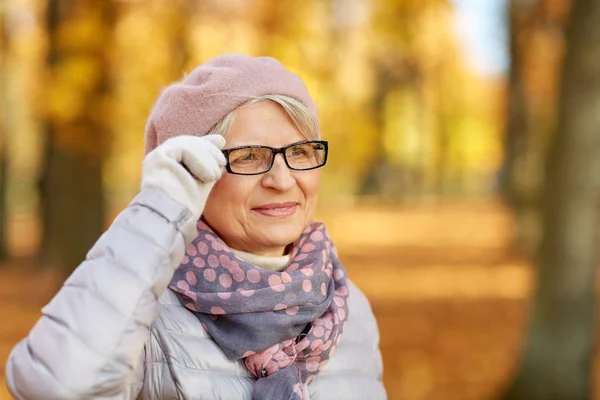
x,y
3,139
178,30
72,203
557,359
72,207
373,181
518,139
531,107
516,130
3,205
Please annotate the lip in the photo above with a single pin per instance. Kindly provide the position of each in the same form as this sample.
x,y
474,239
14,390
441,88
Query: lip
x,y
277,210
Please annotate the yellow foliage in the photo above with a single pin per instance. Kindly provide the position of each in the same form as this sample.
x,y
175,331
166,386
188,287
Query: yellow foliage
x,y
86,34
386,73
71,82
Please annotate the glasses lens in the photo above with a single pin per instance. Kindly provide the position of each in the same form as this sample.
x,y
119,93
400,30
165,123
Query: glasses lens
x,y
250,160
306,155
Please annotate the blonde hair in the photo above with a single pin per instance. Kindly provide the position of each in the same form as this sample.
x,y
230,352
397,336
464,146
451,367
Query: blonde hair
x,y
301,117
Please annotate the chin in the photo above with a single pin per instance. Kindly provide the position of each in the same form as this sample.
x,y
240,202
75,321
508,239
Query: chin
x,y
280,235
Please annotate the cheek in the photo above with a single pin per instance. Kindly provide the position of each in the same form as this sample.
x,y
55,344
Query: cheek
x,y
310,185
229,195
223,192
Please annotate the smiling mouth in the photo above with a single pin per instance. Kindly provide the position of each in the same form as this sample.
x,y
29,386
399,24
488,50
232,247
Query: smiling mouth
x,y
277,211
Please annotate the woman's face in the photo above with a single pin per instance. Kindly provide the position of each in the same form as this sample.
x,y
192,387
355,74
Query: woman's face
x,y
262,214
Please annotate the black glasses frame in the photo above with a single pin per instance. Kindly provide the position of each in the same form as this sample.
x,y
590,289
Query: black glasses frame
x,y
276,151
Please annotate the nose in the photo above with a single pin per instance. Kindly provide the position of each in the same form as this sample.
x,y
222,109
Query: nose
x,y
279,177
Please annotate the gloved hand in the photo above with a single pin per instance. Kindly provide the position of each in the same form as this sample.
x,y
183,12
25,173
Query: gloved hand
x,y
186,168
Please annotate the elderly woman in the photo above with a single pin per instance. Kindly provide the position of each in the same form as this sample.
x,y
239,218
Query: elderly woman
x,y
215,283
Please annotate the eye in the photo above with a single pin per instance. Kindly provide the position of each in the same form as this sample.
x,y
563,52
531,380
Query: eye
x,y
298,151
248,157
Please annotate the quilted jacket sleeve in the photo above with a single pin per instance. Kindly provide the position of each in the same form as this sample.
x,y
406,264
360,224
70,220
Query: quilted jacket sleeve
x,y
89,341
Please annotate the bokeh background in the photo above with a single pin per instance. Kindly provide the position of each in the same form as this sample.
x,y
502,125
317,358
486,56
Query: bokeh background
x,y
439,115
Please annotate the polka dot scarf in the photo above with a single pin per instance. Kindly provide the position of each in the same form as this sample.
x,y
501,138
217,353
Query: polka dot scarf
x,y
284,325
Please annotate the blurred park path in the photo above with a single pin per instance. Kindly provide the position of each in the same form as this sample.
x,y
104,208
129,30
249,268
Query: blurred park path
x,y
448,292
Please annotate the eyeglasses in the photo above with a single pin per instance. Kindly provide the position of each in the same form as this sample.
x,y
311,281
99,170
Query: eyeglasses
x,y
255,160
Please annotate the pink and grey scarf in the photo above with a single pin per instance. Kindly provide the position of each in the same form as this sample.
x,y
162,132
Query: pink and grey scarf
x,y
284,325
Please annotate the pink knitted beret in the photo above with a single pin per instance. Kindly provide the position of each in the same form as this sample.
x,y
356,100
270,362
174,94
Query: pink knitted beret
x,y
195,104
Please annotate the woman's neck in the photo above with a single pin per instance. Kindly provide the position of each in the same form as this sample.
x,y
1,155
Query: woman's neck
x,y
272,263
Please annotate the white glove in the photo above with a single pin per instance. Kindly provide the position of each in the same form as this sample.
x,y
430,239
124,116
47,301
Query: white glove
x,y
186,168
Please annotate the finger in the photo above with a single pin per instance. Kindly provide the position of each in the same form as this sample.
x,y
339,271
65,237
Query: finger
x,y
204,168
217,140
210,149
199,155
218,155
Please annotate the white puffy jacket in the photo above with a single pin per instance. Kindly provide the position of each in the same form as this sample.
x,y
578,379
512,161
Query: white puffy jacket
x,y
114,332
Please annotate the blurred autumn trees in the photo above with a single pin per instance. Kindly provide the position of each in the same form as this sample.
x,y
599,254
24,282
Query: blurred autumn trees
x,y
537,48
76,124
557,361
408,118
